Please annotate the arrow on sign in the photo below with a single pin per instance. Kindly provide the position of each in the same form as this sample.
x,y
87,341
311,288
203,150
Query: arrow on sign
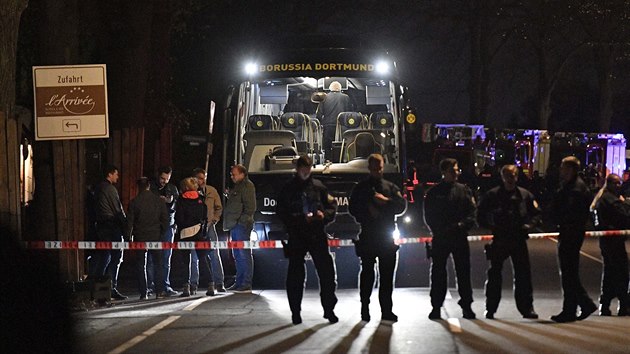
x,y
68,124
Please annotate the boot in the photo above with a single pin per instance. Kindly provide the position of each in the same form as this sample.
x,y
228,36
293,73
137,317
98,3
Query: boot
x,y
365,312
185,291
193,289
211,291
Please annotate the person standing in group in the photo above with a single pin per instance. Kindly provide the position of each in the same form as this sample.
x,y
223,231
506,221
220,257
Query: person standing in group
x,y
327,112
238,219
190,217
147,221
168,193
305,207
570,211
215,208
613,213
450,211
510,212
111,222
374,203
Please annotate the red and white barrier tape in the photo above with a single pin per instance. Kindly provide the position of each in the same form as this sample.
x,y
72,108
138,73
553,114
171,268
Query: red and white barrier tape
x,y
93,245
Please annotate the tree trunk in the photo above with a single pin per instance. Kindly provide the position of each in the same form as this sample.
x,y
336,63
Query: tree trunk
x,y
604,63
10,15
476,68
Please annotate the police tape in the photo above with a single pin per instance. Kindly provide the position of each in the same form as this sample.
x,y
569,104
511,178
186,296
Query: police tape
x,y
190,245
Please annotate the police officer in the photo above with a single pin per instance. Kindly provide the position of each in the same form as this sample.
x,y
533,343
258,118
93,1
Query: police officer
x,y
374,203
613,214
510,212
450,211
570,211
305,207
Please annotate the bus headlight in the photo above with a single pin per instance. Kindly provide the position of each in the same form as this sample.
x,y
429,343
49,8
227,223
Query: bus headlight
x,y
382,67
251,68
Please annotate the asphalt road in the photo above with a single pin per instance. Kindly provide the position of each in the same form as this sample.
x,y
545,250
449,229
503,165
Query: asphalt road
x,y
261,322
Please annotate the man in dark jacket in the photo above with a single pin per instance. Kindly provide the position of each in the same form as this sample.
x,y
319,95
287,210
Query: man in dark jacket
x,y
374,203
327,112
570,212
510,212
450,211
110,224
238,219
613,213
305,207
147,221
168,193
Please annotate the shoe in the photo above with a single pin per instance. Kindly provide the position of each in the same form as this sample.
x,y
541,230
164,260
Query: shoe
x,y
564,317
390,316
185,291
160,295
221,289
232,288
296,318
331,317
489,315
365,313
587,310
144,296
531,314
210,291
468,313
171,292
150,292
604,310
623,311
117,295
193,289
435,314
243,290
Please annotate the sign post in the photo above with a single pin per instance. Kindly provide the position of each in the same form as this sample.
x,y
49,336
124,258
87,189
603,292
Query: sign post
x,y
70,102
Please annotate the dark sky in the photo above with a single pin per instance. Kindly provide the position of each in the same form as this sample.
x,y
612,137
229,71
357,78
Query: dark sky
x,y
431,41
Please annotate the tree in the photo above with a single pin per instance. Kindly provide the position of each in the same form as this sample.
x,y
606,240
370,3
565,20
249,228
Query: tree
x,y
10,15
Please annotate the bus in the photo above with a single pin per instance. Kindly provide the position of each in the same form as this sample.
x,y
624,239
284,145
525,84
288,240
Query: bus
x,y
271,119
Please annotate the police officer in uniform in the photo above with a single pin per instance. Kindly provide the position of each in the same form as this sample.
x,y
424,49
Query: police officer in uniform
x,y
305,207
613,213
450,211
374,203
570,209
510,212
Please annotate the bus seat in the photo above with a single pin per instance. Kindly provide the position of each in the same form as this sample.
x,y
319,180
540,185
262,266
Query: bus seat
x,y
259,143
363,146
260,122
348,120
381,120
297,123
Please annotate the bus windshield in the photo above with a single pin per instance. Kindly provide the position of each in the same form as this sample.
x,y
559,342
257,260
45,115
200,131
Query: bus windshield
x,y
280,118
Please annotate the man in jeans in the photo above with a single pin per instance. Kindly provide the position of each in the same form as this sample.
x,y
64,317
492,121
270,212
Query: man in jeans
x,y
168,193
238,219
215,208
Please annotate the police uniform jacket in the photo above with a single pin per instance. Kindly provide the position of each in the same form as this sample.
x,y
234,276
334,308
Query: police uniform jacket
x,y
509,214
571,204
449,211
612,213
300,197
147,218
377,221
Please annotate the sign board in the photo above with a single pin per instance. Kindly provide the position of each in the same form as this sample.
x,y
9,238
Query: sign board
x,y
70,102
